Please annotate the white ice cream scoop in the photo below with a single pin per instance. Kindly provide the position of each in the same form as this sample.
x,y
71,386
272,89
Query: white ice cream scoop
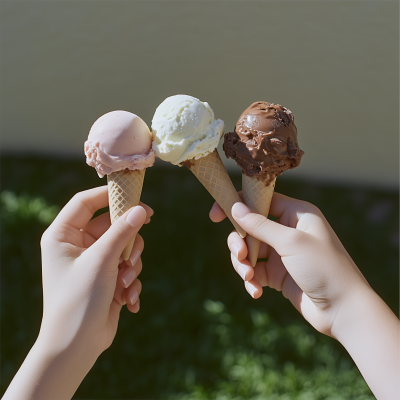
x,y
186,133
184,128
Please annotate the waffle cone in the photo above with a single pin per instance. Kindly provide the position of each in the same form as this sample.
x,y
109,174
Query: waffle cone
x,y
124,190
258,197
211,172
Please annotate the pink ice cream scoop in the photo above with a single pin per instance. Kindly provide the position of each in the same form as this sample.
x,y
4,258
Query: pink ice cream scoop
x,y
119,140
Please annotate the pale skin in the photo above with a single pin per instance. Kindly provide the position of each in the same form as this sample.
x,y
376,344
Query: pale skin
x,y
308,263
85,285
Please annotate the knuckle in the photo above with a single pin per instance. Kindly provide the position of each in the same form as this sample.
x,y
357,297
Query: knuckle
x,y
79,197
295,236
311,208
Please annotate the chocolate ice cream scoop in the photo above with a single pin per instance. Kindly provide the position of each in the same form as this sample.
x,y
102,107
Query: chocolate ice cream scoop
x,y
264,142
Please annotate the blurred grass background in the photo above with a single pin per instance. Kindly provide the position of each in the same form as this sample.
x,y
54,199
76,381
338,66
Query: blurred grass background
x,y
198,335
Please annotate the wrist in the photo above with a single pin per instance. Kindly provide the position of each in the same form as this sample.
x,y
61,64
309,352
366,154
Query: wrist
x,y
55,339
60,368
351,311
369,331
76,355
48,373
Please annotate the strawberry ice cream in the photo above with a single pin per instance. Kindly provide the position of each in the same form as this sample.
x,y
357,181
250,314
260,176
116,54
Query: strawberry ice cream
x,y
119,140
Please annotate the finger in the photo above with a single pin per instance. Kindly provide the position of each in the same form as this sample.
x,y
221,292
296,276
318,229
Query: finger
x,y
97,226
127,274
133,292
264,250
136,251
217,214
80,209
243,268
87,240
293,293
291,211
237,246
149,210
281,203
135,308
119,294
283,239
261,274
115,310
271,273
110,245
276,271
254,288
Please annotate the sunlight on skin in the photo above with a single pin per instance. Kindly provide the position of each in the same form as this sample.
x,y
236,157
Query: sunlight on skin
x,y
309,265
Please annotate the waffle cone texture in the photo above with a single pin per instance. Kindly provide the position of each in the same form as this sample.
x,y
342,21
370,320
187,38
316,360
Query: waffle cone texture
x,y
258,197
124,190
211,172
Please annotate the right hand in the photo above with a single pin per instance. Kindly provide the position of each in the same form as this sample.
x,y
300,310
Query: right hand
x,y
306,260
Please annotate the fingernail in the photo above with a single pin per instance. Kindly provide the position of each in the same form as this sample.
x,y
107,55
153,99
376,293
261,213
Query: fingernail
x,y
133,297
136,216
242,272
129,277
235,250
134,257
239,210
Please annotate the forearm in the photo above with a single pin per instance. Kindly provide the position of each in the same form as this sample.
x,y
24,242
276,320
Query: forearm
x,y
370,332
46,375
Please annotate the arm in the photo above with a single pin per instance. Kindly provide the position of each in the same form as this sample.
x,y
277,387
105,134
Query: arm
x,y
85,285
370,332
308,263
47,374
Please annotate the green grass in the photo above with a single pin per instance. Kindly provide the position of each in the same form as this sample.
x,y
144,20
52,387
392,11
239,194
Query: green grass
x,y
198,335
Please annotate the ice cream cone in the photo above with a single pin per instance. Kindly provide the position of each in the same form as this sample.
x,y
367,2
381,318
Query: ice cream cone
x,y
258,197
124,190
211,172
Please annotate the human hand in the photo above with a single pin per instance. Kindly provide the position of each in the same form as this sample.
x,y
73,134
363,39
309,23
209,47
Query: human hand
x,y
85,284
306,260
308,263
85,281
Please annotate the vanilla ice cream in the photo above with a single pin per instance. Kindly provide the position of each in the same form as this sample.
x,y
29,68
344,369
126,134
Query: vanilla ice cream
x,y
184,128
119,140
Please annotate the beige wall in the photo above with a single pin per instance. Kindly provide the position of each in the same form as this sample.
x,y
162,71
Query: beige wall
x,y
334,64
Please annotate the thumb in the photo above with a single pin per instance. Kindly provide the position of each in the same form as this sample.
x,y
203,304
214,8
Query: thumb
x,y
280,237
112,243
